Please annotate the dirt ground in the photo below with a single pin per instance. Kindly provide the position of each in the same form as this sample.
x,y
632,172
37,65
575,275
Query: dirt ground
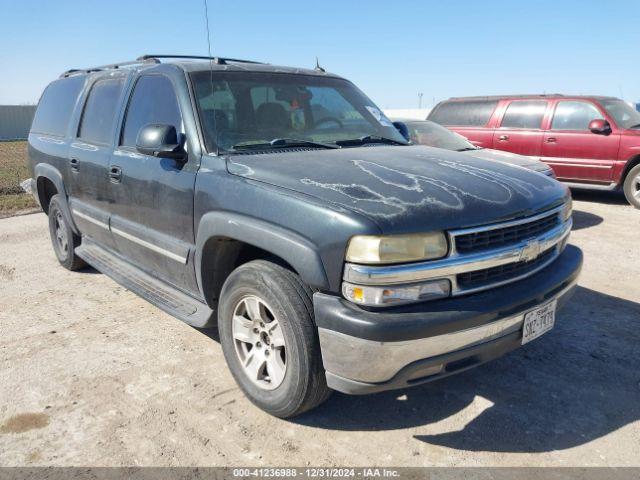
x,y
92,375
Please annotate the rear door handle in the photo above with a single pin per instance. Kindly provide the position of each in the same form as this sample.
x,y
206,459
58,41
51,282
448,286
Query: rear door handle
x,y
75,164
115,174
551,140
503,138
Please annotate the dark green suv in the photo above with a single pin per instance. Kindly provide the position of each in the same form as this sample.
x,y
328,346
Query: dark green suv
x,y
281,205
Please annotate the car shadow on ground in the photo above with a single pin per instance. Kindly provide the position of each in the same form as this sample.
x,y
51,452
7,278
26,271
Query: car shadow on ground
x,y
583,219
89,269
575,384
599,196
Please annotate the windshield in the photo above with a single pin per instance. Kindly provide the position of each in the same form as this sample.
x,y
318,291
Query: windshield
x,y
434,135
623,114
238,109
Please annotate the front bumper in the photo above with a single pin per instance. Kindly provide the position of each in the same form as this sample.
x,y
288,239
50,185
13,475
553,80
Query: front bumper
x,y
365,351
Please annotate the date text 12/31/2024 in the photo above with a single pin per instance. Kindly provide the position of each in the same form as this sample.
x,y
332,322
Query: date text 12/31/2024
x,y
313,472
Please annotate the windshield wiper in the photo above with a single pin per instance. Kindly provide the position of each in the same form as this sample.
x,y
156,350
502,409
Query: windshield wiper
x,y
467,149
637,125
283,143
370,139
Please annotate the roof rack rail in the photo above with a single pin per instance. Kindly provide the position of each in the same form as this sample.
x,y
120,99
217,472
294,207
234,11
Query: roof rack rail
x,y
509,96
217,60
152,59
111,66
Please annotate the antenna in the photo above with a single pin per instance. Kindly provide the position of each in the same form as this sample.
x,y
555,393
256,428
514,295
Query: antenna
x,y
318,67
206,18
215,125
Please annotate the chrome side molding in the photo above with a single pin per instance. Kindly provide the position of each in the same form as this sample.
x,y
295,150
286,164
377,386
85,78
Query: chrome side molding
x,y
131,238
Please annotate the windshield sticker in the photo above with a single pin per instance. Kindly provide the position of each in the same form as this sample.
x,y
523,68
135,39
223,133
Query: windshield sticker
x,y
380,117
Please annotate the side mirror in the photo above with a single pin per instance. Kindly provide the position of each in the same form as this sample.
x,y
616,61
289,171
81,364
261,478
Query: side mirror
x,y
600,126
161,141
403,129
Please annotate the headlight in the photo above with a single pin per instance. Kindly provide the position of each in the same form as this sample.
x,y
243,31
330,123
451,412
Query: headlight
x,y
369,249
567,210
396,294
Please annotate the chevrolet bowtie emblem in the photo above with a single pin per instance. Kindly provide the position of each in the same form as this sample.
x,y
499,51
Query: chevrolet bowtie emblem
x,y
530,251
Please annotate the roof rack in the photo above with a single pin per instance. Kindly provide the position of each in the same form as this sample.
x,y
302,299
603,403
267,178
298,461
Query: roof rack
x,y
153,59
111,66
216,60
510,96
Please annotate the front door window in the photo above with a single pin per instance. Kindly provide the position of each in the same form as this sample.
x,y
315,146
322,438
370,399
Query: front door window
x,y
574,115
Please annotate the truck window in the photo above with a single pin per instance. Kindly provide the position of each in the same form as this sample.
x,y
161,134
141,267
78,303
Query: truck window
x,y
524,114
238,109
100,109
56,106
574,115
153,101
464,113
327,105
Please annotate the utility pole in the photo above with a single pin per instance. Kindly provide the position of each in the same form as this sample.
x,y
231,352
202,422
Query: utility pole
x,y
420,100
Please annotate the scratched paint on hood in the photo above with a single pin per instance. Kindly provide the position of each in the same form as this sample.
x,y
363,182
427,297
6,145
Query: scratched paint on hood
x,y
407,188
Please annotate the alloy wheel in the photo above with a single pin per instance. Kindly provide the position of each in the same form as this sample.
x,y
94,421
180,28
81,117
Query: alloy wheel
x,y
259,342
61,233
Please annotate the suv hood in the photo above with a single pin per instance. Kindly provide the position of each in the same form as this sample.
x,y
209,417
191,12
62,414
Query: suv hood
x,y
406,188
508,157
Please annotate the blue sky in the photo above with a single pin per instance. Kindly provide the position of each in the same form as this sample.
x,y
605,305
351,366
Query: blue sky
x,y
392,50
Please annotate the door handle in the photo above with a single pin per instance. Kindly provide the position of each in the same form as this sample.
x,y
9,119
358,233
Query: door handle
x,y
115,174
551,140
503,138
75,164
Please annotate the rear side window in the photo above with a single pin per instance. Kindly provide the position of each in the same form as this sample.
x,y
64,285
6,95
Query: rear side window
x,y
464,113
153,101
100,109
524,114
56,106
572,115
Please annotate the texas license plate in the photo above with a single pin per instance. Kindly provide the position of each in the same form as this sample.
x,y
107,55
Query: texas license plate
x,y
538,322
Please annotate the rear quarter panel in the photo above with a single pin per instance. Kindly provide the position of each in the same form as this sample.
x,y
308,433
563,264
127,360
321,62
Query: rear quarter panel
x,y
480,136
47,150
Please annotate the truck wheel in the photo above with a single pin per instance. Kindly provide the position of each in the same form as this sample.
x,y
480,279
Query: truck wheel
x,y
632,186
62,237
269,339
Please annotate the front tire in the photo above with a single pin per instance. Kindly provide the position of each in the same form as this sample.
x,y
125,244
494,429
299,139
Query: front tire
x,y
269,339
63,239
632,186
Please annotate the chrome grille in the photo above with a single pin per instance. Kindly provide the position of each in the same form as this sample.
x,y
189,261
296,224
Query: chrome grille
x,y
502,273
497,254
481,240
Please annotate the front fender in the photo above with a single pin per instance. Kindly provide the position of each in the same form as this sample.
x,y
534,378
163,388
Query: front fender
x,y
296,250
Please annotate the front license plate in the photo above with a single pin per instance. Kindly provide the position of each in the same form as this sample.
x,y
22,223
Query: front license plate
x,y
538,322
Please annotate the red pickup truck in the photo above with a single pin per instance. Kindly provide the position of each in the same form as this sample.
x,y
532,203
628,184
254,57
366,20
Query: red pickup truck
x,y
590,142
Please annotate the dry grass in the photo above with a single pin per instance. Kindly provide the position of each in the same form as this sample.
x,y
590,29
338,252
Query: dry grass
x,y
13,170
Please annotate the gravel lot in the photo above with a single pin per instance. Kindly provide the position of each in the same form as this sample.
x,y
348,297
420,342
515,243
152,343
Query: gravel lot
x,y
90,374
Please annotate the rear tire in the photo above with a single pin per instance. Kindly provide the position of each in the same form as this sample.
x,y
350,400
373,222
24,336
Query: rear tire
x,y
63,239
632,186
269,339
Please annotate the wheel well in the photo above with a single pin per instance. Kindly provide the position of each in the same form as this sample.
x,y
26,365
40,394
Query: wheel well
x,y
221,256
46,190
633,161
